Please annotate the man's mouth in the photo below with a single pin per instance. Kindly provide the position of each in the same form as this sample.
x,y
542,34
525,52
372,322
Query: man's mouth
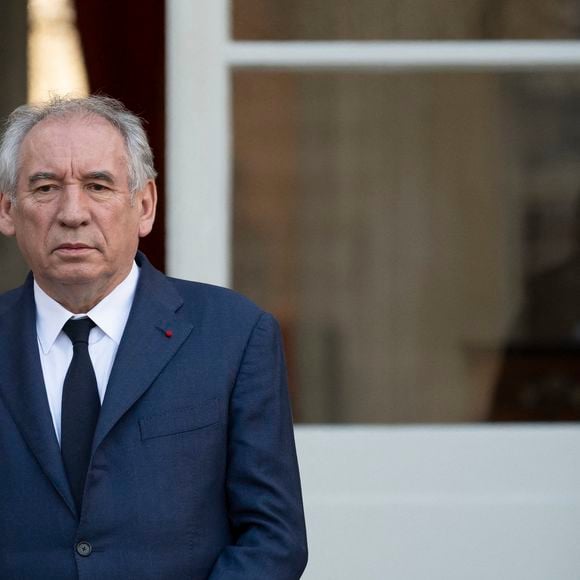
x,y
73,248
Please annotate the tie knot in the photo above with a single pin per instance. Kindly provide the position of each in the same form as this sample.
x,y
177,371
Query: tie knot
x,y
78,329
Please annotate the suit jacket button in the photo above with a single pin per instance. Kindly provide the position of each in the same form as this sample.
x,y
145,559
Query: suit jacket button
x,y
83,549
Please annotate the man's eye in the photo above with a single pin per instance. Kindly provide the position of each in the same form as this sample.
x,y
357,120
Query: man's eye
x,y
98,187
48,188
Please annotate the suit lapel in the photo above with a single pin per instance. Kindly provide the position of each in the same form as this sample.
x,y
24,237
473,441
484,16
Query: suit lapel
x,y
24,393
153,335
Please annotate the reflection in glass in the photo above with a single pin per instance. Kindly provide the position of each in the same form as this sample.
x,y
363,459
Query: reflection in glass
x,y
402,228
405,19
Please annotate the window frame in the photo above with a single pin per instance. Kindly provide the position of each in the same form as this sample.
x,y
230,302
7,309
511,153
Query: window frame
x,y
201,58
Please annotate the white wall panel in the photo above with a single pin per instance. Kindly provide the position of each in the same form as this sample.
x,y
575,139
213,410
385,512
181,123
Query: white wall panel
x,y
442,503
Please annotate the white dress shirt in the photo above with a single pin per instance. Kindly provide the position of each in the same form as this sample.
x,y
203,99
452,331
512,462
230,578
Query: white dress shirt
x,y
110,316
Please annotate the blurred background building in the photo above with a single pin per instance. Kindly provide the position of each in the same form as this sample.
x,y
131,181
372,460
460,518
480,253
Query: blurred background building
x,y
411,218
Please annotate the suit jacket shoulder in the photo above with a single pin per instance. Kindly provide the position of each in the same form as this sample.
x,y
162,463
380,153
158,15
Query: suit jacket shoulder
x,y
215,300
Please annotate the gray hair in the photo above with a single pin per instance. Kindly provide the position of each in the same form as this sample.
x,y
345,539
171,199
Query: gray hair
x,y
139,155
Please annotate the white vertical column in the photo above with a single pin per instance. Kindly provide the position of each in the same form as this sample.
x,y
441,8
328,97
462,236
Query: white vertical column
x,y
198,141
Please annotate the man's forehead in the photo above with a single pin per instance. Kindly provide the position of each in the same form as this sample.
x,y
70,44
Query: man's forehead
x,y
79,138
55,124
74,145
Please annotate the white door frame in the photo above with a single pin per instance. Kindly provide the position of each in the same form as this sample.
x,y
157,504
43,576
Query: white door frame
x,y
454,526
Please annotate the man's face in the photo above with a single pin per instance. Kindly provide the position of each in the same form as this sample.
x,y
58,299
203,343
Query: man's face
x,y
74,218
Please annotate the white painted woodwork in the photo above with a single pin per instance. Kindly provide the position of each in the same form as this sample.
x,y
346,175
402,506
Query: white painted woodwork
x,y
441,503
407,56
198,141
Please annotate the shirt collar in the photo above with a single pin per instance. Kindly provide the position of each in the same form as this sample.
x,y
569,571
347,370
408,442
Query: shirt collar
x,y
110,314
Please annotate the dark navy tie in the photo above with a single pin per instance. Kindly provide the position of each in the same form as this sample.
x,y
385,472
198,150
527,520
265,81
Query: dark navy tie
x,y
80,407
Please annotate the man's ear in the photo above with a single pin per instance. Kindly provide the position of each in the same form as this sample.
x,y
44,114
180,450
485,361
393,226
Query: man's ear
x,y
6,222
146,200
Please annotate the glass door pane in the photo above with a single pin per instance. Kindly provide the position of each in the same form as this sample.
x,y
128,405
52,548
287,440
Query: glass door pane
x,y
417,236
405,19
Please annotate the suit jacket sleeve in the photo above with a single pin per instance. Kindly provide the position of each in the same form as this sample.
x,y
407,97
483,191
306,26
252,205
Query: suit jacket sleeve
x,y
263,486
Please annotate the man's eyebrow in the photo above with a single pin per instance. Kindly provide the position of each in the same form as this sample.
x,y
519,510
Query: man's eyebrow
x,y
48,175
41,176
100,176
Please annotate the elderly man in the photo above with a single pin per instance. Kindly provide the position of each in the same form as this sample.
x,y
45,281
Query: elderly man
x,y
145,428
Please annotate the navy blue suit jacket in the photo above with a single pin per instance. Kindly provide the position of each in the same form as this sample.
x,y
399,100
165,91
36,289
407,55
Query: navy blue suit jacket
x,y
193,473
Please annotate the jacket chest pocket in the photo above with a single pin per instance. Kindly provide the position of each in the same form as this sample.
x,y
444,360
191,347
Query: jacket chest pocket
x,y
179,420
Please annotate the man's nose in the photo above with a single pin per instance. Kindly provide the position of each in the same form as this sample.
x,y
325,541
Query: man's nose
x,y
74,207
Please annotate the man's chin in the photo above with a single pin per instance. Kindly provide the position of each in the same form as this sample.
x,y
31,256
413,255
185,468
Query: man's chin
x,y
75,274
